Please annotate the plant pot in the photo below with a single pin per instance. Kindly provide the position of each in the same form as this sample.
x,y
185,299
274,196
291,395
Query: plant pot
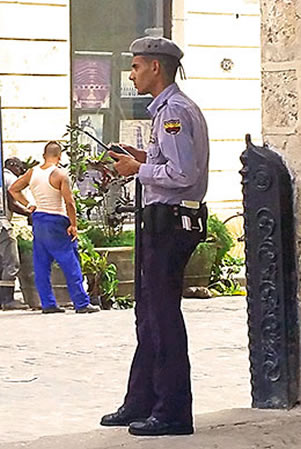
x,y
123,258
198,270
29,291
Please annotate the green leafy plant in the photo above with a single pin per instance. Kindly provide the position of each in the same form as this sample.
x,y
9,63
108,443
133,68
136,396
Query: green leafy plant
x,y
100,239
225,267
223,282
218,233
30,163
123,302
109,190
101,276
24,236
25,246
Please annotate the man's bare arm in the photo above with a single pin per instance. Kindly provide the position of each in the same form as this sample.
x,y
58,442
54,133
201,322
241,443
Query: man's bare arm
x,y
15,207
70,205
20,184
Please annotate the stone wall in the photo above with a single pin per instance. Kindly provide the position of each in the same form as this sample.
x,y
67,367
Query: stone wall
x,y
281,86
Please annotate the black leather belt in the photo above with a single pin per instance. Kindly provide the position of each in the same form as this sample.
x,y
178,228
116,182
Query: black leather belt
x,y
160,218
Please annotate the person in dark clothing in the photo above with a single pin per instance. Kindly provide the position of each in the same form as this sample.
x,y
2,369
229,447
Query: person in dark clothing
x,y
9,256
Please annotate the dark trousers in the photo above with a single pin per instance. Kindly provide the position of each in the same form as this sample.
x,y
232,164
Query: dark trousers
x,y
9,265
52,243
159,382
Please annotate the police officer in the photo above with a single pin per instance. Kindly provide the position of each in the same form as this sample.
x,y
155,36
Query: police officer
x,y
174,173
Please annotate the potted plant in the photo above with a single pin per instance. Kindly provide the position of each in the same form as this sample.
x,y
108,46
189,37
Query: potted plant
x,y
99,192
119,250
101,276
208,254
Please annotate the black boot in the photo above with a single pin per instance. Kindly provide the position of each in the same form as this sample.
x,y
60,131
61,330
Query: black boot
x,y
8,302
2,296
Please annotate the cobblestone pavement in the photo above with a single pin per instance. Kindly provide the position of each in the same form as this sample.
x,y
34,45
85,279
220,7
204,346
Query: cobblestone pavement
x,y
60,373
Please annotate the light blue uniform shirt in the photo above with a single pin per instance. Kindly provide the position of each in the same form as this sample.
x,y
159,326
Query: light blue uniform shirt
x,y
176,166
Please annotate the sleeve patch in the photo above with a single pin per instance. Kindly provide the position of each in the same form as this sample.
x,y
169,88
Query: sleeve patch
x,y
172,127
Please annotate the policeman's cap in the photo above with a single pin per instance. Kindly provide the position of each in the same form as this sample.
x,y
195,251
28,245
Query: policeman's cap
x,y
152,46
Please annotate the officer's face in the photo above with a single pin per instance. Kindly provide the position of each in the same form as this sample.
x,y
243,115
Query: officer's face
x,y
142,74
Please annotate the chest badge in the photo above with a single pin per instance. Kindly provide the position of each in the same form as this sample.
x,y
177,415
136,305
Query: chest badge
x,y
172,127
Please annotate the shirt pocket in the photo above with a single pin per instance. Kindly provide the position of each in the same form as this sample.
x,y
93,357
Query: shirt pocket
x,y
153,152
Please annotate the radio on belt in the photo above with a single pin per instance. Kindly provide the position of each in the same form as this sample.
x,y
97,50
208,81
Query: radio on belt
x,y
191,215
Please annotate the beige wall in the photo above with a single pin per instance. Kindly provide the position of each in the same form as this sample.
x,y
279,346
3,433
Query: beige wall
x,y
210,31
34,74
281,84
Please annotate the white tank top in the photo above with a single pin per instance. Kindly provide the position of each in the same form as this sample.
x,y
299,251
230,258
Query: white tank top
x,y
48,199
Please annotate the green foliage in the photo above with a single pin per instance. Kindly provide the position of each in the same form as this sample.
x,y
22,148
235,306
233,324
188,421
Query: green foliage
x,y
30,163
123,302
224,268
100,239
101,275
25,246
80,156
223,282
218,233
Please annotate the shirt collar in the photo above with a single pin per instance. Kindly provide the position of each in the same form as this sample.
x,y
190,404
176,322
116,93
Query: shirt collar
x,y
161,98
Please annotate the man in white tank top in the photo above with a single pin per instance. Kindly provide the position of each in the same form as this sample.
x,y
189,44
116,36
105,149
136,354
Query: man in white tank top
x,y
54,230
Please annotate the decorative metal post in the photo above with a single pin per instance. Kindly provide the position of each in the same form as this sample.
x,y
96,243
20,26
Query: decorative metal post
x,y
271,278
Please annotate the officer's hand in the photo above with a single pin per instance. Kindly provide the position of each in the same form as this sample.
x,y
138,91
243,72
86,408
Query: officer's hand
x,y
139,155
72,230
32,209
125,165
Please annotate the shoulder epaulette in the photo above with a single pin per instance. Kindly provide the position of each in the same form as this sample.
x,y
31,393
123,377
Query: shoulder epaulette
x,y
162,105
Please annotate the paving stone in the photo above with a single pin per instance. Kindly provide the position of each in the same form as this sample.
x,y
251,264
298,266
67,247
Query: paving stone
x,y
60,373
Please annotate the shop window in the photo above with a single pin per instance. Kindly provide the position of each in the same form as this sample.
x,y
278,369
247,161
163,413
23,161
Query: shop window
x,y
103,99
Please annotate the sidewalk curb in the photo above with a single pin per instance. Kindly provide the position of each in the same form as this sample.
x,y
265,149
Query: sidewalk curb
x,y
227,429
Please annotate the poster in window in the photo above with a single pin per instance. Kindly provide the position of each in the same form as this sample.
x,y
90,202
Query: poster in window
x,y
91,82
135,132
127,88
93,123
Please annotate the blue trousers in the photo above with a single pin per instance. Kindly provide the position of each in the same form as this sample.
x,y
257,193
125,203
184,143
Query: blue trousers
x,y
159,381
51,242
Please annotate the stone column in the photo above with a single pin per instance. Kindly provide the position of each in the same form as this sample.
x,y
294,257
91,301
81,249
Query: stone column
x,y
281,88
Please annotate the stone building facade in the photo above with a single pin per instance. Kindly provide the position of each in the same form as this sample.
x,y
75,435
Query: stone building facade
x,y
41,41
281,86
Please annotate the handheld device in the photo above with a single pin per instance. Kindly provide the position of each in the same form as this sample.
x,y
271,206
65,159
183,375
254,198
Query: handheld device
x,y
114,147
119,149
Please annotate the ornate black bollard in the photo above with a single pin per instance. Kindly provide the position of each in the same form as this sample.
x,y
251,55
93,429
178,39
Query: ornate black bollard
x,y
271,278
